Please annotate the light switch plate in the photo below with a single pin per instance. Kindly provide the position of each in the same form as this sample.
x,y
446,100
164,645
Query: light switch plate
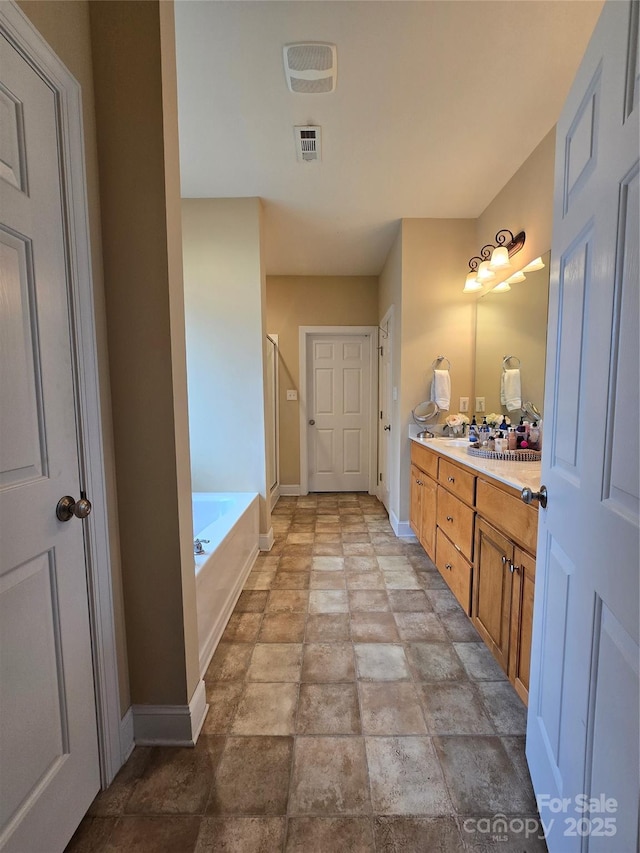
x,y
479,404
292,395
464,404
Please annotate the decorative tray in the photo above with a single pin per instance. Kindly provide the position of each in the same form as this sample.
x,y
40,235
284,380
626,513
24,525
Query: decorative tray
x,y
507,455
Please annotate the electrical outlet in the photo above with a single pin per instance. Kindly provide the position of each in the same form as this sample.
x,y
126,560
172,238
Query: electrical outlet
x,y
479,404
464,404
292,395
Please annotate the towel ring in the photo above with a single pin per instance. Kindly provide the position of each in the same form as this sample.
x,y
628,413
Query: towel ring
x,y
508,358
440,358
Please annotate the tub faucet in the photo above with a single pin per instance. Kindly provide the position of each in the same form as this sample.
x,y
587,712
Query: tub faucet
x,y
197,545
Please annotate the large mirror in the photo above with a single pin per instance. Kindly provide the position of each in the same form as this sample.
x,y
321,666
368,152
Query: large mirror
x,y
513,323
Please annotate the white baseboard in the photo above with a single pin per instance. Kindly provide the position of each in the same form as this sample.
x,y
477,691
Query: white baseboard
x,y
265,540
402,529
127,741
274,496
290,490
171,725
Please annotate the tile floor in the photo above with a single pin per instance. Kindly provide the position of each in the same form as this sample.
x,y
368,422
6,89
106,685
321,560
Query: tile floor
x,y
353,708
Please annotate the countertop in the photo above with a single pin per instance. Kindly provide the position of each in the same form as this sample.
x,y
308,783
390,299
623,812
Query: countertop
x,y
514,474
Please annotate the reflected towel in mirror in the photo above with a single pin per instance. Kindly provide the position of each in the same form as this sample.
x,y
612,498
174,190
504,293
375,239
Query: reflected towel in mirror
x,y
441,389
511,389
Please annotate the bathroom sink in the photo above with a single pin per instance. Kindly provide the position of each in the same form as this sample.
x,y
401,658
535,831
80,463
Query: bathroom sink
x,y
456,442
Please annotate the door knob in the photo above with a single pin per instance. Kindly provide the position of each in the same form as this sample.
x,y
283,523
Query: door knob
x,y
528,496
67,507
312,422
387,428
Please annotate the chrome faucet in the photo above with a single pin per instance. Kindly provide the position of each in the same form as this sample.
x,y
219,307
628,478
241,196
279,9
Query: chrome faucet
x,y
197,545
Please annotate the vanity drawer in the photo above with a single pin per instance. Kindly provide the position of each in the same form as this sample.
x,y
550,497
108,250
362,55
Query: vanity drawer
x,y
455,570
456,520
461,483
515,518
424,459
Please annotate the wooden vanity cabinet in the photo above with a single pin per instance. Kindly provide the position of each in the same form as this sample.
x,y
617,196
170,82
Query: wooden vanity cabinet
x,y
482,539
492,590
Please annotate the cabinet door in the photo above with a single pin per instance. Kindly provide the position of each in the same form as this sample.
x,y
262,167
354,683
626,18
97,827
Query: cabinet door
x,y
428,527
415,505
492,590
524,581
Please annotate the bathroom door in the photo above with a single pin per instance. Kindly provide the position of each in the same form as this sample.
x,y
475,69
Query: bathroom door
x,y
48,733
338,412
583,718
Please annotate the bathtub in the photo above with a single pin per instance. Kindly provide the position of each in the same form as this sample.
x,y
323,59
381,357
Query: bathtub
x,y
230,521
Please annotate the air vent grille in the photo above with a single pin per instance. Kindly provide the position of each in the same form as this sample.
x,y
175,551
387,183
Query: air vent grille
x,y
307,143
310,67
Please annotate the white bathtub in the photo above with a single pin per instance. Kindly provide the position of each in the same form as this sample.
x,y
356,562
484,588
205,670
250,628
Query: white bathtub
x,y
231,523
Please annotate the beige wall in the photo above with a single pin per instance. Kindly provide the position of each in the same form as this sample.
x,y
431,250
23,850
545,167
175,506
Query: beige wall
x,y
65,26
294,301
224,294
132,44
437,319
525,203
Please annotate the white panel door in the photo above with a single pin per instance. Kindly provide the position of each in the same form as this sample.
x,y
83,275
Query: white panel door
x,y
49,770
338,411
583,723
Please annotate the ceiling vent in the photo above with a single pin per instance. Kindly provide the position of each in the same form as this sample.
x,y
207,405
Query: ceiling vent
x,y
308,140
310,67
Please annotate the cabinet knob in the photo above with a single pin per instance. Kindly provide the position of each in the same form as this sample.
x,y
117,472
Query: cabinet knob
x,y
513,568
504,559
449,518
448,566
451,479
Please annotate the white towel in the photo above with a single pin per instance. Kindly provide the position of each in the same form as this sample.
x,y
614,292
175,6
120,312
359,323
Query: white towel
x,y
510,389
441,389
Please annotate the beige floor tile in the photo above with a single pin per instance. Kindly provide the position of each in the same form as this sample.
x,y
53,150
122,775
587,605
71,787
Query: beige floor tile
x,y
358,549
361,563
381,662
434,662
400,580
327,549
266,564
287,601
504,706
282,628
371,600
327,627
295,564
365,580
92,835
251,601
373,628
420,626
417,835
323,834
259,580
407,600
328,564
242,627
329,777
252,777
154,834
266,709
328,580
275,662
454,708
328,709
223,698
291,580
229,662
406,777
300,538
328,601
386,711
395,564
241,834
327,662
478,661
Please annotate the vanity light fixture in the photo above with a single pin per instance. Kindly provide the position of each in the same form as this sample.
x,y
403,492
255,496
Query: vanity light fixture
x,y
493,258
517,277
503,287
537,264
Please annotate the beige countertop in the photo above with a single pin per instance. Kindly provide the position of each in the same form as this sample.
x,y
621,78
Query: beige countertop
x,y
514,474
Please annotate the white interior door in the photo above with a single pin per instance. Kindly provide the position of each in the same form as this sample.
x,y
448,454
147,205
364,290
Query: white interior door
x,y
338,412
384,405
583,723
48,738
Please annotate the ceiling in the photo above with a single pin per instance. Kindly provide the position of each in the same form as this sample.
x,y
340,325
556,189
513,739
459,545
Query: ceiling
x,y
438,103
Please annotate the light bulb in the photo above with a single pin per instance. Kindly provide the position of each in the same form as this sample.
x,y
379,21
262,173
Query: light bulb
x,y
517,277
484,272
472,284
499,258
502,287
537,264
